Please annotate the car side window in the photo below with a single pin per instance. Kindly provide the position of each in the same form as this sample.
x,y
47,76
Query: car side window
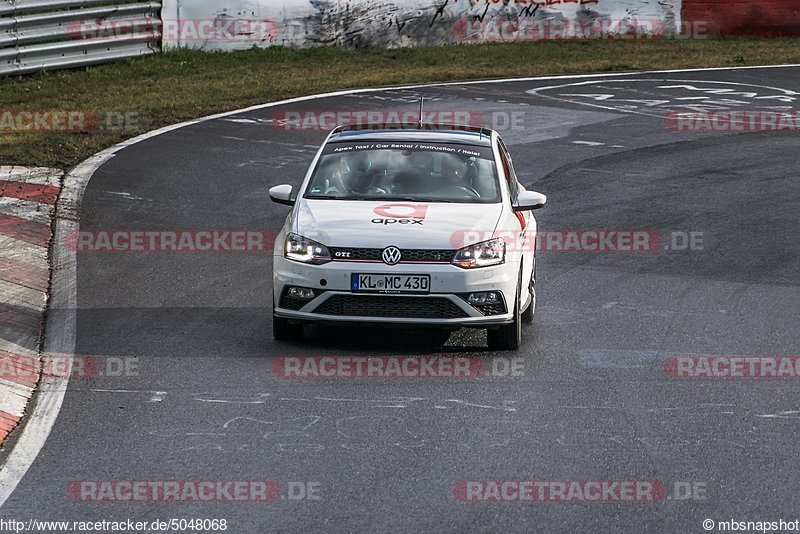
x,y
508,170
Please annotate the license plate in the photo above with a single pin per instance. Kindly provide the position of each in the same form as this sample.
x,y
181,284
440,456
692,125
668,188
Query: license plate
x,y
390,283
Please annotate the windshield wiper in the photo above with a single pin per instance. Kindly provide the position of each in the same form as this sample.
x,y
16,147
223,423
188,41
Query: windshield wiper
x,y
330,197
416,199
380,198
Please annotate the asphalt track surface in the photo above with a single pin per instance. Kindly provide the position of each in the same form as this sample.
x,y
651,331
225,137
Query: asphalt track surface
x,y
594,401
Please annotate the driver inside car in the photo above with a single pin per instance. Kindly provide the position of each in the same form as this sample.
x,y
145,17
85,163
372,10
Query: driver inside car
x,y
457,176
454,171
355,177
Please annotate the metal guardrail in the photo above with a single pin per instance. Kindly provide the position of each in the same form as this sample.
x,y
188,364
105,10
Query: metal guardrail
x,y
40,35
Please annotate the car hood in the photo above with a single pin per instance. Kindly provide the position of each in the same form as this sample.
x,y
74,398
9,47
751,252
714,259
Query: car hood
x,y
368,224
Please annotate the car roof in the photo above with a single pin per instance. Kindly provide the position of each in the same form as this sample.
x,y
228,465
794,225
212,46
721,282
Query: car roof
x,y
440,133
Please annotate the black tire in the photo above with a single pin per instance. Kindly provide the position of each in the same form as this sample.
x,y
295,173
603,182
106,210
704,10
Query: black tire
x,y
508,336
283,330
527,315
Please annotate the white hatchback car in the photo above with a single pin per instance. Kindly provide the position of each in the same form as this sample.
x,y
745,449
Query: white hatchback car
x,y
422,226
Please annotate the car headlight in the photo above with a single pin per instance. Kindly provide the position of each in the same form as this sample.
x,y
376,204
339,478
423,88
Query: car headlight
x,y
484,254
302,249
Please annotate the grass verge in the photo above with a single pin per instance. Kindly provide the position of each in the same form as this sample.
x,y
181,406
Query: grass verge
x,y
172,87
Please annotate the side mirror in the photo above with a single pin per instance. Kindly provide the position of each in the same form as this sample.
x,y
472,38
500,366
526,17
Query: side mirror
x,y
282,194
529,200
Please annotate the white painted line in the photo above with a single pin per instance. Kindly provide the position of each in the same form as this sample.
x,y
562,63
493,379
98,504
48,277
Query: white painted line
x,y
26,209
150,392
588,143
787,92
650,111
23,297
60,334
51,389
31,175
22,251
13,348
785,414
598,75
13,399
5,383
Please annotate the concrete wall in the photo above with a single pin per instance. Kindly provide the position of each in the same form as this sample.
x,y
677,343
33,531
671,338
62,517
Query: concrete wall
x,y
238,24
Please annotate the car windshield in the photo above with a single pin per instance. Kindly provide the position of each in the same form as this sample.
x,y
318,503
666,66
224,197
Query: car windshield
x,y
414,171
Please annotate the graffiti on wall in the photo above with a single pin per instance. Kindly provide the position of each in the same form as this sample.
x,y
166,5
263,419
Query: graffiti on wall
x,y
403,23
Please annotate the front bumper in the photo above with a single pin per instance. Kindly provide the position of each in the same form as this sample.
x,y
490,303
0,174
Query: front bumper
x,y
443,306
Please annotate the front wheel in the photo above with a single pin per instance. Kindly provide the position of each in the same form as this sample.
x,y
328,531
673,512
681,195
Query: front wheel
x,y
508,336
527,315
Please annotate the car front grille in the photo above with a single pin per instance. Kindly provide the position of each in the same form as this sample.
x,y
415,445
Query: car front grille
x,y
406,256
391,306
491,309
292,303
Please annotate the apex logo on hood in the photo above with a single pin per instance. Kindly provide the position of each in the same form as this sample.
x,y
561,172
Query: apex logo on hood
x,y
400,214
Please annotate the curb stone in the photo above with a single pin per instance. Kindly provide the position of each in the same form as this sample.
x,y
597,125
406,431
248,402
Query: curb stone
x,y
27,207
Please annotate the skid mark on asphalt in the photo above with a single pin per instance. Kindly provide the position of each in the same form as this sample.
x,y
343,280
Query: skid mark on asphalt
x,y
784,414
619,359
505,408
260,398
248,423
389,402
155,396
588,143
405,96
371,433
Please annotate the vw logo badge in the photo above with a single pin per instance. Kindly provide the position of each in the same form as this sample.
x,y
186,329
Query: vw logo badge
x,y
391,255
